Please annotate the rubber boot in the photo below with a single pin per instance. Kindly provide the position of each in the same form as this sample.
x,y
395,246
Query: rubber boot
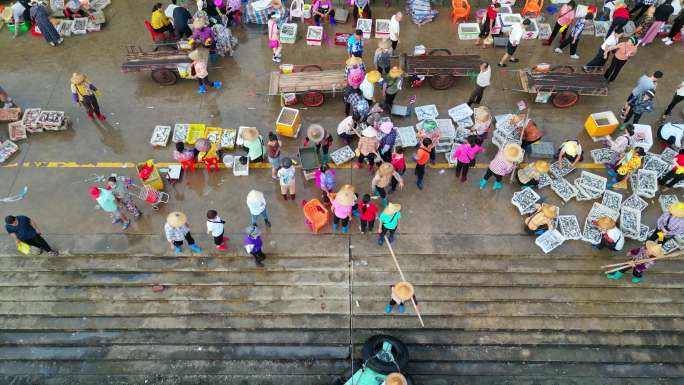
x,y
388,309
636,279
381,241
333,22
402,309
483,184
177,249
334,227
292,196
285,196
497,186
390,238
616,275
195,249
202,89
101,117
221,247
217,85
345,229
420,185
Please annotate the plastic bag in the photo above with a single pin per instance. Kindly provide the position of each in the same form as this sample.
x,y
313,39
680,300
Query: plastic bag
x,y
24,248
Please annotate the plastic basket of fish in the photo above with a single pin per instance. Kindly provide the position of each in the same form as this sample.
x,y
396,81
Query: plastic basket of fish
x,y
213,134
51,120
17,131
468,31
228,136
7,149
30,120
195,131
160,136
241,166
180,132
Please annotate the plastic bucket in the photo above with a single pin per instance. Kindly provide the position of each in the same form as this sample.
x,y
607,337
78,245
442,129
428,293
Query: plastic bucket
x,y
287,68
228,160
23,27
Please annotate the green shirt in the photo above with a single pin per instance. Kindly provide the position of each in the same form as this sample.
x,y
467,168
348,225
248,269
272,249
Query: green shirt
x,y
390,221
106,201
255,147
392,84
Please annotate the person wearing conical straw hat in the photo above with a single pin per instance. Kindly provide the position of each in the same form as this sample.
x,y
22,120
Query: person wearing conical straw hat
x,y
354,65
382,179
391,86
253,143
570,150
389,222
367,86
640,261
382,56
177,229
629,162
395,379
199,69
503,164
85,93
321,138
367,147
400,293
670,224
611,236
389,138
342,209
530,174
541,220
253,244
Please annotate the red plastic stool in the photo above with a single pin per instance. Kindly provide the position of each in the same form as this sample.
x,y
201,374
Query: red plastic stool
x,y
188,164
211,162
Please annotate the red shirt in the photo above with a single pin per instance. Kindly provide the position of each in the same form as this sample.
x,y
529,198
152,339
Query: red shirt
x,y
369,214
491,12
621,12
679,162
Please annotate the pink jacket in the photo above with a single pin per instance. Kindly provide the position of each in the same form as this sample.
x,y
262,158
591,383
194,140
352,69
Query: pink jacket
x,y
465,154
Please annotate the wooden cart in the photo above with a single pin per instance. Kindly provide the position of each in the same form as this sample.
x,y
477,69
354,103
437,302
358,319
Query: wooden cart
x,y
562,84
163,65
311,81
441,66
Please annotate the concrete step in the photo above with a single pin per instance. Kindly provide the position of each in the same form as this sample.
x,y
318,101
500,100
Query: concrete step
x,y
442,379
170,379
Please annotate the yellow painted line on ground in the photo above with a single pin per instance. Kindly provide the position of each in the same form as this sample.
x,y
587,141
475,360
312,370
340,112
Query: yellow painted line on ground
x,y
53,164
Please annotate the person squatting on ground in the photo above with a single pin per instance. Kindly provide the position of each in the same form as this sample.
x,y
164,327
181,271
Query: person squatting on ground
x,y
611,237
669,224
542,220
676,174
640,261
253,244
177,230
106,201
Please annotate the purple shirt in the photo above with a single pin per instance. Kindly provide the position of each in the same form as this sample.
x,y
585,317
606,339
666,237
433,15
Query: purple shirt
x,y
203,34
255,242
675,225
640,254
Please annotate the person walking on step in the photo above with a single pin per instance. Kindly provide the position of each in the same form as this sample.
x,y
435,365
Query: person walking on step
x,y
342,206
640,261
669,224
382,180
256,202
85,93
421,157
216,228
400,293
177,230
107,202
253,244
389,222
24,229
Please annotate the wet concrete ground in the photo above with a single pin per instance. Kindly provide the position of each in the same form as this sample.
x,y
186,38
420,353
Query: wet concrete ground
x,y
37,75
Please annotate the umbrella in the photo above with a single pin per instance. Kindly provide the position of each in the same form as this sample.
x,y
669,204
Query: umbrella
x,y
203,144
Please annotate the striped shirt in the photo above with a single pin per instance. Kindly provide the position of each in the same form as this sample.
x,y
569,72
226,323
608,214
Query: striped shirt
x,y
500,166
578,28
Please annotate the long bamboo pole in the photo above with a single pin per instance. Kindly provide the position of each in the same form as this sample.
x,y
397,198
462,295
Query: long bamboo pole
x,y
401,273
623,265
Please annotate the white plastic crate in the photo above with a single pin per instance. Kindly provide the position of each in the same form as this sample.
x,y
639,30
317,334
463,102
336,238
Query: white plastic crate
x,y
382,27
531,31
288,33
314,35
468,31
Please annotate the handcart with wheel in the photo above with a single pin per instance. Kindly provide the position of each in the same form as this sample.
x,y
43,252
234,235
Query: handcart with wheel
x,y
440,66
165,67
310,82
148,195
561,84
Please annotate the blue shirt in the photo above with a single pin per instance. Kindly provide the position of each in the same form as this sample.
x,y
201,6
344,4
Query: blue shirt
x,y
578,28
23,229
354,46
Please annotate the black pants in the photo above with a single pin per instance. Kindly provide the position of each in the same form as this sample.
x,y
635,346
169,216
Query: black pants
x,y
91,105
420,173
635,273
394,45
381,192
636,12
484,30
490,173
337,220
675,99
205,81
676,27
366,12
462,169
395,182
325,148
433,155
384,230
389,101
218,240
671,178
617,22
631,114
383,70
607,244
258,255
367,225
598,60
39,242
614,69
554,32
188,238
166,28
476,95
573,46
370,157
331,15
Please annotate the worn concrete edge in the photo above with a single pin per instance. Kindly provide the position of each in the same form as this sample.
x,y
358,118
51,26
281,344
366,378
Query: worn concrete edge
x,y
308,245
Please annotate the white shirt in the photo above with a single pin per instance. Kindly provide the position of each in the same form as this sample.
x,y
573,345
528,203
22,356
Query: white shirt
x,y
215,226
18,11
169,11
609,42
484,77
616,235
346,126
516,33
394,28
367,89
673,130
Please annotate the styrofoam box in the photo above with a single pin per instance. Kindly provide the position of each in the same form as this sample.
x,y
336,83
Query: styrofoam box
x,y
314,35
468,31
647,142
508,19
366,26
382,28
288,33
531,31
544,31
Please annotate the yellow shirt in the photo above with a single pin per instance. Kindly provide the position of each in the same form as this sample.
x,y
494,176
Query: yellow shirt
x,y
159,20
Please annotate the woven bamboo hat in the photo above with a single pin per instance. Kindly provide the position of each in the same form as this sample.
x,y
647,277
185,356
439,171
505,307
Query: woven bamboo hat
x,y
395,72
250,133
386,169
605,223
512,152
548,210
391,209
315,132
395,379
199,54
348,187
654,249
385,43
677,209
77,78
541,166
354,60
176,219
570,148
199,23
482,114
345,198
403,290
373,76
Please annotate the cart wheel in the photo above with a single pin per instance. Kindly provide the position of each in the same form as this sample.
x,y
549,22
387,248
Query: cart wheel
x,y
565,99
563,69
311,68
441,82
165,77
313,99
